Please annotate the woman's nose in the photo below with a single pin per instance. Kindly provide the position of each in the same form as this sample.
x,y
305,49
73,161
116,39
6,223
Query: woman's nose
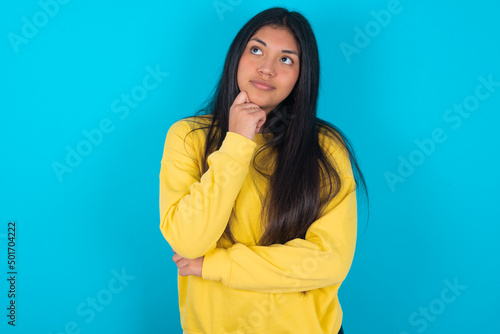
x,y
267,67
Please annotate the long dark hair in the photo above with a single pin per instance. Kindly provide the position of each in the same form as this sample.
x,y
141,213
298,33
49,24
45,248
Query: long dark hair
x,y
292,202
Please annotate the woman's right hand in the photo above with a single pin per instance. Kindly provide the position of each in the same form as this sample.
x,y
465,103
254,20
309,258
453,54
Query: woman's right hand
x,y
245,118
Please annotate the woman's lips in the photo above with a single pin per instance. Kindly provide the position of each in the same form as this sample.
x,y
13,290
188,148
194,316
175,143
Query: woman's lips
x,y
261,85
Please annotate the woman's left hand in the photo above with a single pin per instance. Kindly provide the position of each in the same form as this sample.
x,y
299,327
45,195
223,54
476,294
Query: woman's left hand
x,y
187,266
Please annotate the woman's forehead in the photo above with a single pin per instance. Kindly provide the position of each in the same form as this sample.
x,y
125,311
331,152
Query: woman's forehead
x,y
281,36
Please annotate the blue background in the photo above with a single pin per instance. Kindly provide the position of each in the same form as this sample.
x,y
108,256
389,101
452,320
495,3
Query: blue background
x,y
432,227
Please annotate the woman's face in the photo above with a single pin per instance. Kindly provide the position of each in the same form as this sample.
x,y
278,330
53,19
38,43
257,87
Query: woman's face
x,y
269,67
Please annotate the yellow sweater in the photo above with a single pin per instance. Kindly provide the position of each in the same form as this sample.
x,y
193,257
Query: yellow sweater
x,y
246,288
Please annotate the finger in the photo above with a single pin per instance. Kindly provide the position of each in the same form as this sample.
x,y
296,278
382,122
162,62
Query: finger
x,y
182,263
241,98
176,257
184,272
252,107
247,99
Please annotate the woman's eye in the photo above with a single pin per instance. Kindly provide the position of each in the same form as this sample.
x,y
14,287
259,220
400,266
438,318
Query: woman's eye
x,y
253,48
290,62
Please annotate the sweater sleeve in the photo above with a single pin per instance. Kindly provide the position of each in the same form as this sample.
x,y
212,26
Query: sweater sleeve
x,y
194,208
322,259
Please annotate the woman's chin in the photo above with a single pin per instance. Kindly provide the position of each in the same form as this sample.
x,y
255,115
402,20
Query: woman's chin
x,y
257,99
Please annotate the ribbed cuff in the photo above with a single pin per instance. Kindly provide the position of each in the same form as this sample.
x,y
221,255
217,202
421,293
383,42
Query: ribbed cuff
x,y
238,147
217,265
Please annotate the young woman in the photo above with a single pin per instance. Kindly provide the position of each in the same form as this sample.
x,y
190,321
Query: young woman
x,y
258,195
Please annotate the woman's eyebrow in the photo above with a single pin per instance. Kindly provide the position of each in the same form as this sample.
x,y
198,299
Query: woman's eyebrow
x,y
284,51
